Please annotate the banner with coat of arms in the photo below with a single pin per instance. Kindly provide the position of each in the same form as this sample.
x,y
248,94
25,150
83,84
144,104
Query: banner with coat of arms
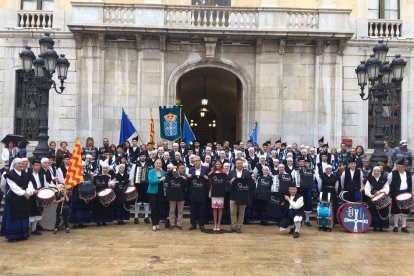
x,y
170,122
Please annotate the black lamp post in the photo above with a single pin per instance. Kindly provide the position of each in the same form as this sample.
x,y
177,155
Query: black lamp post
x,y
45,65
382,79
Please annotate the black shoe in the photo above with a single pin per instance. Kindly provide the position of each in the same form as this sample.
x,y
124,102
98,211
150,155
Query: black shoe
x,y
147,220
179,227
121,222
104,223
202,229
375,229
67,230
193,227
264,223
308,224
233,230
12,240
405,230
81,226
171,227
75,226
381,230
136,221
395,229
55,231
98,224
238,231
36,233
296,235
292,230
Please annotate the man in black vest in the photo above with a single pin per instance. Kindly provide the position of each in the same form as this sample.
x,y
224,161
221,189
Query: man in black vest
x,y
38,181
198,194
352,181
400,181
61,171
240,193
139,176
293,214
328,185
303,177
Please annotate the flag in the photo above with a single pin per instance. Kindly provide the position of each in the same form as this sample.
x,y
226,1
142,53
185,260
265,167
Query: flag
x,y
188,135
170,122
253,135
127,128
74,174
152,130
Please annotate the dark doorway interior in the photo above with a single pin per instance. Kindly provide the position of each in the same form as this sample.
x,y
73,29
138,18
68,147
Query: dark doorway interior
x,y
220,119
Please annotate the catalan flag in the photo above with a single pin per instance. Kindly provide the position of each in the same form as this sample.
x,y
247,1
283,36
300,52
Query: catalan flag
x,y
74,175
152,130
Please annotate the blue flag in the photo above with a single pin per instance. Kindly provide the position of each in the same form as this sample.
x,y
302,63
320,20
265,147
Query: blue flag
x,y
188,135
253,135
127,128
170,122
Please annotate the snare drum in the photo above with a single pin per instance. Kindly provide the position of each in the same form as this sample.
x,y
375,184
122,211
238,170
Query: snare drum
x,y
381,201
325,216
106,197
405,200
131,194
45,197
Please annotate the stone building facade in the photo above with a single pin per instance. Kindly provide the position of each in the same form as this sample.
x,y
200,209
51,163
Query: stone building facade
x,y
292,64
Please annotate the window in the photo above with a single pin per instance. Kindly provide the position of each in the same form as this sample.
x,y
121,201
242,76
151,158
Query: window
x,y
384,9
27,106
391,118
212,2
32,5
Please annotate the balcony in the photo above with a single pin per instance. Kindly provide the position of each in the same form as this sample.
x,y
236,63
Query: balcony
x,y
384,28
35,19
317,23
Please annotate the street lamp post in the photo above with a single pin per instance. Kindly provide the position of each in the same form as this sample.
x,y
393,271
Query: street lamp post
x,y
45,65
382,79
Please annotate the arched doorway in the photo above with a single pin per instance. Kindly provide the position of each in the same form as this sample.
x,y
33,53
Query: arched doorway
x,y
219,119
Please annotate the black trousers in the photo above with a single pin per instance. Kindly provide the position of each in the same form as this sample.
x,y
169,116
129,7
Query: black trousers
x,y
156,203
62,215
198,208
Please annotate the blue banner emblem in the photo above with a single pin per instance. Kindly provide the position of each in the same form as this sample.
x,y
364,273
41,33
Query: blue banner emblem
x,y
170,122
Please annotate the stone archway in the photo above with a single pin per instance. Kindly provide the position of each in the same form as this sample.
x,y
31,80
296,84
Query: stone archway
x,y
245,109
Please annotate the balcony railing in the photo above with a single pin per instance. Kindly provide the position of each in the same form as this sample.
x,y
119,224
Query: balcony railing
x,y
303,22
384,28
35,19
211,17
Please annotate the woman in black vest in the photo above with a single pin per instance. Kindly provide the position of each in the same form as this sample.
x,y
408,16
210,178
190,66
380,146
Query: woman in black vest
x,y
17,208
374,186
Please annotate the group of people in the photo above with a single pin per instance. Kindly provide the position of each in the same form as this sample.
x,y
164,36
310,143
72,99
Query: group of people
x,y
230,185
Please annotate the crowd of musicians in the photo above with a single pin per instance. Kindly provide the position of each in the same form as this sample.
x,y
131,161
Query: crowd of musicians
x,y
227,184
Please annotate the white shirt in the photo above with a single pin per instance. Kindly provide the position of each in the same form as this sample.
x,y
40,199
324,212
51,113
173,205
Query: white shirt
x,y
38,184
296,204
239,173
404,185
368,188
197,171
16,189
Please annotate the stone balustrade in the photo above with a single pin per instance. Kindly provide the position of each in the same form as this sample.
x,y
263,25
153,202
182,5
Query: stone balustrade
x,y
35,19
211,17
384,28
119,14
302,20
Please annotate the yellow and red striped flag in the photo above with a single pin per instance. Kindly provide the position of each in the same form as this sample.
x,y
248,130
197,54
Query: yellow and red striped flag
x,y
152,130
74,175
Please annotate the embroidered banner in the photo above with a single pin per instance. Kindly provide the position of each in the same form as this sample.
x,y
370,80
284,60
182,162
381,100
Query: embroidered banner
x,y
170,122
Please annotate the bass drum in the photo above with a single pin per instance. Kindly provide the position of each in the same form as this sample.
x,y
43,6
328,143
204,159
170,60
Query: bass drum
x,y
49,218
355,217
